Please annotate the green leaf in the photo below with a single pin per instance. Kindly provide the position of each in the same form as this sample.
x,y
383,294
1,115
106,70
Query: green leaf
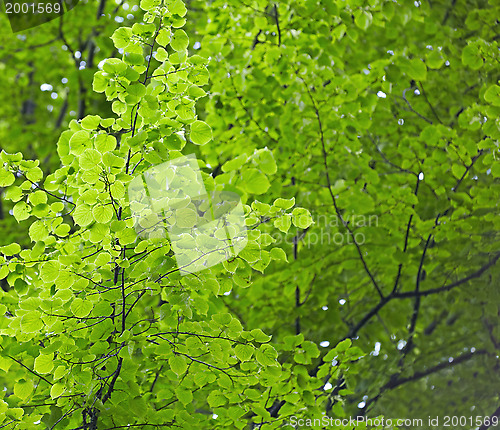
x,y
495,170
243,352
144,30
100,82
14,413
111,160
216,399
283,223
339,186
260,336
185,112
91,122
186,218
31,322
458,170
184,395
434,59
105,143
161,55
471,57
343,345
57,390
284,203
119,108
11,249
121,37
60,372
79,141
102,213
416,69
278,254
266,355
301,218
83,215
363,19
90,159
265,161
148,5
235,163
178,364
6,178
175,142
62,230
127,236
251,252
21,211
44,363
98,232
38,197
201,133
80,308
23,389
180,41
49,271
137,90
196,92
254,181
14,193
37,231
34,174
117,190
137,406
178,8
261,208
114,66
163,37
492,95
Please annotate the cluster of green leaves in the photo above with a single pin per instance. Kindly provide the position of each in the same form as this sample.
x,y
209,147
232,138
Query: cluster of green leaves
x,y
47,77
101,329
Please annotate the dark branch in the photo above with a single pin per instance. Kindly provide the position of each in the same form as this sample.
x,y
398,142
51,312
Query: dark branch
x,y
448,287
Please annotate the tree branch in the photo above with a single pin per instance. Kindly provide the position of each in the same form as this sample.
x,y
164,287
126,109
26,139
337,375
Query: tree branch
x,y
334,200
276,18
495,414
396,381
448,287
